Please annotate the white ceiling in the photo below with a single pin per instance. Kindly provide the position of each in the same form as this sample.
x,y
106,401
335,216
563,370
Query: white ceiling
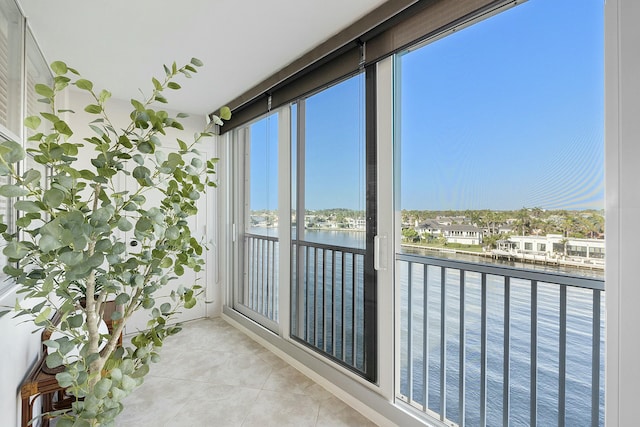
x,y
121,44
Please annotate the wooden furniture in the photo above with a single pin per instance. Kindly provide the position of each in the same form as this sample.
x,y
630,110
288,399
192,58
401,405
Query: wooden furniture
x,y
41,382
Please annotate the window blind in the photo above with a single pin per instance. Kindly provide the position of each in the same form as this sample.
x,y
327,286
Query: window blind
x,y
393,26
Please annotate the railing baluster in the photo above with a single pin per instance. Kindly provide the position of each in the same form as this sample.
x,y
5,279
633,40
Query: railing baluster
x,y
462,351
409,332
270,266
353,310
333,304
533,402
254,273
425,333
595,361
344,308
308,284
274,280
483,352
323,332
562,369
315,297
256,283
506,374
263,279
443,344
247,263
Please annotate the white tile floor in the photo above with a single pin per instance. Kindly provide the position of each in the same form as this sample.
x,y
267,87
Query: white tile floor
x,y
211,374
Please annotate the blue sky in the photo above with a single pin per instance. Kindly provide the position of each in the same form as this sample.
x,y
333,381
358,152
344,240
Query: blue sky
x,y
504,114
264,164
507,113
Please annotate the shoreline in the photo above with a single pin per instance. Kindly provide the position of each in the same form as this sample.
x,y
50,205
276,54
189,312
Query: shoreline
x,y
515,257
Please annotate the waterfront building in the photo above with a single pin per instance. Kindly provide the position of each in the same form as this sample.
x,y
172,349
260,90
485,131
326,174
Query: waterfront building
x,y
553,248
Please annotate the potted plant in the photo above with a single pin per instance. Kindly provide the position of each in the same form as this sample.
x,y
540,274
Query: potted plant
x,y
68,242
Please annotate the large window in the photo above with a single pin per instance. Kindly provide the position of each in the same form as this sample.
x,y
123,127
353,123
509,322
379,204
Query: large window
x,y
18,52
11,48
500,135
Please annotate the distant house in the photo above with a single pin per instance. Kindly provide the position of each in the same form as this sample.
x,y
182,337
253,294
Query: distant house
x,y
464,234
429,226
357,223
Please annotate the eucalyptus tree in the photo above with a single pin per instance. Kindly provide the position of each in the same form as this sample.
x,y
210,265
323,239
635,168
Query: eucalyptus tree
x,y
68,243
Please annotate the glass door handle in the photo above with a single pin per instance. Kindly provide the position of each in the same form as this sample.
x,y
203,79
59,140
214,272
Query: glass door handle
x,y
379,243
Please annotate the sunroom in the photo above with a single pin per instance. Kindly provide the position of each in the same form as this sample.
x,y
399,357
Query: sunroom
x,y
503,120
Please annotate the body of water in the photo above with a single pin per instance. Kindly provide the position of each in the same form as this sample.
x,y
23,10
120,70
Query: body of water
x,y
413,363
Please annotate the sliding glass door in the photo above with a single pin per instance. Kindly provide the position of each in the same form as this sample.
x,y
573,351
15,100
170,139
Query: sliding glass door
x,y
333,219
256,222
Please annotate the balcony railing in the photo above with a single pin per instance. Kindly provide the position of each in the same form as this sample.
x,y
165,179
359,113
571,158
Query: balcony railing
x,y
488,345
260,292
328,302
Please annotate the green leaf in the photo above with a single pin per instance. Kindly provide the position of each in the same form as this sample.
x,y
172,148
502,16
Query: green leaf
x,y
124,141
140,172
59,68
51,117
23,222
44,90
30,176
173,85
84,84
62,127
65,379
93,109
128,383
146,147
75,321
189,303
165,308
15,250
144,224
124,224
10,190
102,388
71,258
156,84
225,113
122,299
104,95
178,269
172,233
32,122
27,206
49,243
137,105
53,197
12,152
43,316
141,371
196,62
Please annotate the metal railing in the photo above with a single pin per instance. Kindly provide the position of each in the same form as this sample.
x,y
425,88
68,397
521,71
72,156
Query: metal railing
x,y
328,301
489,345
260,291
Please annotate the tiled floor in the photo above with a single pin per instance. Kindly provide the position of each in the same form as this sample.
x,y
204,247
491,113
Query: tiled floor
x,y
211,374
